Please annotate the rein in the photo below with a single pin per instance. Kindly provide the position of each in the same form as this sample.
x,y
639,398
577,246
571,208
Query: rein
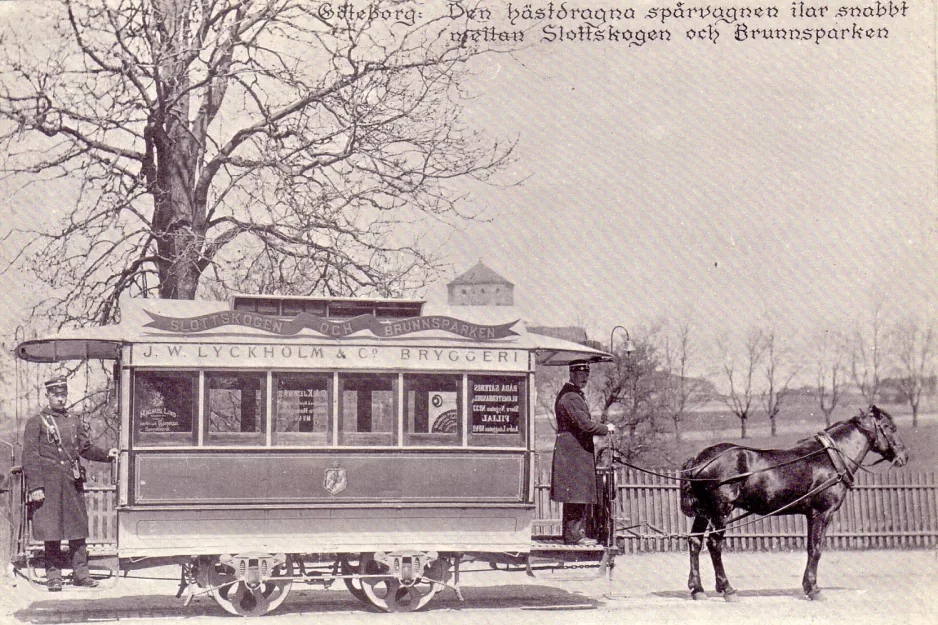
x,y
727,480
837,457
730,523
827,445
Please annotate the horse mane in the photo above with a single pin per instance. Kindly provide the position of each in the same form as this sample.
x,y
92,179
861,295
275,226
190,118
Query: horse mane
x,y
854,419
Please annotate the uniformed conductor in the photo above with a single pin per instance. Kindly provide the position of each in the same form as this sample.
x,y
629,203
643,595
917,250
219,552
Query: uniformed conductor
x,y
52,442
573,472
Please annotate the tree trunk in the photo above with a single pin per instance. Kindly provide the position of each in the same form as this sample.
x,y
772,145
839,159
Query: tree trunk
x,y
742,427
772,426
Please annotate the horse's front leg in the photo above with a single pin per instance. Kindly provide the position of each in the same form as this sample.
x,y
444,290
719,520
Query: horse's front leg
x,y
695,543
715,547
817,528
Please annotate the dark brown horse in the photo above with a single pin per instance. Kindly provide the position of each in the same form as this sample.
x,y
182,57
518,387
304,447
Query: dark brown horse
x,y
812,478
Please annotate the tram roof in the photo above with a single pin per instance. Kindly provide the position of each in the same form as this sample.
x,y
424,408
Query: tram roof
x,y
201,321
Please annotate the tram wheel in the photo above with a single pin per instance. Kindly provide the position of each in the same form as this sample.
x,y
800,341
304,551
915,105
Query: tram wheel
x,y
241,599
388,594
354,585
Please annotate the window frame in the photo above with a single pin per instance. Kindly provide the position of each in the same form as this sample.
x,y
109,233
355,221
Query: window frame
x,y
341,439
164,439
235,439
408,435
516,440
300,439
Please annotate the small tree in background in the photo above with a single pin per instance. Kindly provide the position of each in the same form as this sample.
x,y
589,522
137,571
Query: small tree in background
x,y
867,350
740,373
914,342
680,393
778,372
829,373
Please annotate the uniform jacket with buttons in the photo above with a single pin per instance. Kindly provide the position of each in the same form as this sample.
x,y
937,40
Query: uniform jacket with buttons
x,y
62,515
573,468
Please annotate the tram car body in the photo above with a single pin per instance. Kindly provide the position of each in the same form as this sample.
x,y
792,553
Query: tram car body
x,y
266,441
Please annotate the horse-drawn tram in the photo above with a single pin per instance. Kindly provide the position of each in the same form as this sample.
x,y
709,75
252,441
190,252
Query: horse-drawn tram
x,y
269,441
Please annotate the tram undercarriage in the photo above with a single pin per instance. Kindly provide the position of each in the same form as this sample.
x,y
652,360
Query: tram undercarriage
x,y
255,583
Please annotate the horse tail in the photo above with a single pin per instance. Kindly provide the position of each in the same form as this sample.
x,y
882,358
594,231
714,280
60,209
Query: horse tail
x,y
688,499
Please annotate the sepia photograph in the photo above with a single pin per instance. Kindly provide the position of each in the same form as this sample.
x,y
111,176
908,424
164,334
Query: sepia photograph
x,y
472,310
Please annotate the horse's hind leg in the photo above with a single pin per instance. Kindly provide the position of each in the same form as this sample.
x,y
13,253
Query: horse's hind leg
x,y
715,547
695,543
817,528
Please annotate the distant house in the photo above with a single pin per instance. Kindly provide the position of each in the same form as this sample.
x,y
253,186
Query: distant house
x,y
480,286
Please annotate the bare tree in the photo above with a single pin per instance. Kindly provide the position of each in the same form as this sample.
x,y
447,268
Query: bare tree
x,y
234,138
629,395
829,374
549,381
867,354
680,393
778,370
741,376
914,349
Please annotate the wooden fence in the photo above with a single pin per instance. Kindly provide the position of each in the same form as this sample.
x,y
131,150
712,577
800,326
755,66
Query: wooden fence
x,y
893,510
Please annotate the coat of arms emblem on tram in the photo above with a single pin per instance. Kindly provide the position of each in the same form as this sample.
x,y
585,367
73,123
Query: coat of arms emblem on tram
x,y
335,480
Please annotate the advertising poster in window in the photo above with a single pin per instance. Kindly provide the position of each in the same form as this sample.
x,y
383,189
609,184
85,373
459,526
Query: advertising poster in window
x,y
442,411
164,406
495,406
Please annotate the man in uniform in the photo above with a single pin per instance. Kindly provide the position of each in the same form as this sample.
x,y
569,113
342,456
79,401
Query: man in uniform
x,y
573,472
52,442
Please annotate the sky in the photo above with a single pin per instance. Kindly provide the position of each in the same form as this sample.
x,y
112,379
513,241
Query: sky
x,y
733,184
780,183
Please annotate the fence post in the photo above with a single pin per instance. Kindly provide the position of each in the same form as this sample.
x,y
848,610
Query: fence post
x,y
6,526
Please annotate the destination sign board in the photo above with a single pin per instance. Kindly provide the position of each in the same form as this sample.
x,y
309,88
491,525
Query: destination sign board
x,y
330,327
300,356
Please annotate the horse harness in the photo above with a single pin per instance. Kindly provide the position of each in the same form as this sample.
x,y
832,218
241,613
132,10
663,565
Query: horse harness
x,y
843,471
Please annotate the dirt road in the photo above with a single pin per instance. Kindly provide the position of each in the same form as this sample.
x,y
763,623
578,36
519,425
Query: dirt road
x,y
873,587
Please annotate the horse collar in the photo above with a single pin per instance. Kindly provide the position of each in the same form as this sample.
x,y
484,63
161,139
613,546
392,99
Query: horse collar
x,y
836,459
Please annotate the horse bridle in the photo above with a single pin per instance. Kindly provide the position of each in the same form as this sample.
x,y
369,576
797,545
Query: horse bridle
x,y
879,430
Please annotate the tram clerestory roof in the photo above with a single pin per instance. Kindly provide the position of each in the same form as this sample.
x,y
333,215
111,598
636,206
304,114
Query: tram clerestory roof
x,y
198,321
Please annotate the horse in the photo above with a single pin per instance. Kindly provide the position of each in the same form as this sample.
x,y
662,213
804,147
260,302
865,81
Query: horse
x,y
811,478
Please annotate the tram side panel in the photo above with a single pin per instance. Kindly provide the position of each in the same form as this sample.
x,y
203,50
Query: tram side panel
x,y
183,493
203,502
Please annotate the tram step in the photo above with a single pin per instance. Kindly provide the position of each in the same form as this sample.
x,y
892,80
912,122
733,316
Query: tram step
x,y
555,543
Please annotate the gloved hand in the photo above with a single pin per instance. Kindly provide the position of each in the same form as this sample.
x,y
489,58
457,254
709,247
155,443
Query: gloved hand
x,y
37,496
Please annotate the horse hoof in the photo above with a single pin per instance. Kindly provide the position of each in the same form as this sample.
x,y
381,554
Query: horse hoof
x,y
816,595
698,595
730,597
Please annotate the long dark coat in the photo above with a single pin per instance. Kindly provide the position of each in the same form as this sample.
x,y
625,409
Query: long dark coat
x,y
62,515
573,471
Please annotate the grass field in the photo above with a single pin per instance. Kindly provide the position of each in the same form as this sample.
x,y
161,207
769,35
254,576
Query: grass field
x,y
800,420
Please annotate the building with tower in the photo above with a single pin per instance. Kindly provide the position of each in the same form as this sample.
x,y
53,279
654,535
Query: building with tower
x,y
480,286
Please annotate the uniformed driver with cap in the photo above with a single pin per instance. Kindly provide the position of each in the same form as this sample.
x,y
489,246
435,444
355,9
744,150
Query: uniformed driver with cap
x,y
52,442
573,472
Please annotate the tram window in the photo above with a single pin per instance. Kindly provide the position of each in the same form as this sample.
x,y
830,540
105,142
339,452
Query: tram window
x,y
432,410
234,408
163,408
497,410
367,409
302,414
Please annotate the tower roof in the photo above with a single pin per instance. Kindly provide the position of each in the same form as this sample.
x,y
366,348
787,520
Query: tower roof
x,y
480,273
